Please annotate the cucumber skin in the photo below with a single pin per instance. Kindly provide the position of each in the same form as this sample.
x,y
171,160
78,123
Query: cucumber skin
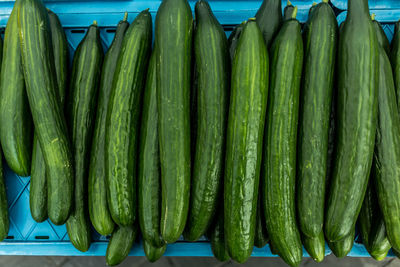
x,y
315,246
246,120
152,253
216,236
320,35
342,247
233,40
98,208
356,120
261,235
173,96
212,66
279,161
149,180
269,19
38,185
395,59
15,118
122,120
50,124
381,36
287,12
120,244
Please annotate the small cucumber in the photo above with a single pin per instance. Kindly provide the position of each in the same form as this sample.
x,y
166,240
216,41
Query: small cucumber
x,y
120,244
315,246
152,253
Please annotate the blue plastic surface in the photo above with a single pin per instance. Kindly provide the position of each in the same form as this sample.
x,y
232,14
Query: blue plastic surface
x,y
373,4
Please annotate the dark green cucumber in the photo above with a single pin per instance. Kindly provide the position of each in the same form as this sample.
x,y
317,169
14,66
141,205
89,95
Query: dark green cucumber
x,y
381,35
38,185
279,161
149,180
261,235
320,35
269,19
81,108
124,108
98,209
234,38
372,226
273,248
173,96
315,246
213,74
356,120
249,93
386,174
342,247
152,253
4,220
217,237
15,116
45,105
120,244
288,11
395,59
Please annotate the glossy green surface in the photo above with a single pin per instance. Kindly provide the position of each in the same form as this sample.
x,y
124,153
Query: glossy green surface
x,y
152,253
315,246
342,247
217,237
120,244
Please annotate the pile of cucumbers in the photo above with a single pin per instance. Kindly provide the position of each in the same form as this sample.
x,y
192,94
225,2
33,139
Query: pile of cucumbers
x,y
283,133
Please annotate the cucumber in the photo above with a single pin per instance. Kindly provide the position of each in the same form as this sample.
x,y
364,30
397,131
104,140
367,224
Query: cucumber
x,y
47,113
269,19
15,116
97,191
288,11
372,226
122,120
356,120
315,246
312,8
120,244
81,108
395,59
234,38
279,160
342,247
149,181
38,185
213,70
261,236
249,92
273,248
320,35
4,220
381,35
152,253
173,96
217,237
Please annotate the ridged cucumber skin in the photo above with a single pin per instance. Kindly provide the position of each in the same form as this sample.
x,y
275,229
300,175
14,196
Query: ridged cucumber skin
x,y
372,226
279,161
342,247
246,119
173,98
38,184
149,179
233,39
315,246
261,235
152,253
120,244
381,36
213,74
98,208
42,90
124,108
269,19
81,108
288,11
395,59
217,237
4,220
356,120
15,118
320,39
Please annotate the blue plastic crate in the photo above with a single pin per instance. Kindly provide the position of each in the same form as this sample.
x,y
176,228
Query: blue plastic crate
x,y
373,4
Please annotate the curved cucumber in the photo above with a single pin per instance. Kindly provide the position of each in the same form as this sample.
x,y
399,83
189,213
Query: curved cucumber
x,y
320,35
15,116
98,209
45,105
342,247
120,244
217,237
315,246
279,161
269,19
249,93
212,67
356,120
152,253
122,120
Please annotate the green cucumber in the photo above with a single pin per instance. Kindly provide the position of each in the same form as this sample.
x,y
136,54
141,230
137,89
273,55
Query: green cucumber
x,y
279,161
149,180
273,248
120,244
342,247
15,116
356,120
315,246
288,11
174,26
234,38
320,36
81,108
249,93
395,59
269,19
38,185
217,237
261,235
124,108
98,209
153,253
381,35
312,8
213,74
43,95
